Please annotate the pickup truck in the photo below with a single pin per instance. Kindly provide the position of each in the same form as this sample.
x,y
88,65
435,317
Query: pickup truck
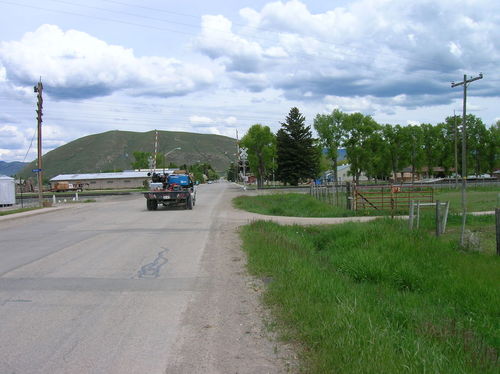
x,y
170,190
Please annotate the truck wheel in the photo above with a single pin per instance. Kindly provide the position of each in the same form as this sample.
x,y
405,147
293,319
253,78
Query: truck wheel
x,y
149,205
154,204
189,203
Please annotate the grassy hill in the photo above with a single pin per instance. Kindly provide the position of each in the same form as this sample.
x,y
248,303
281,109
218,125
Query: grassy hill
x,y
113,150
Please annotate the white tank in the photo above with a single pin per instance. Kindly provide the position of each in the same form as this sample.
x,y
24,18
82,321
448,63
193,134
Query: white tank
x,y
7,190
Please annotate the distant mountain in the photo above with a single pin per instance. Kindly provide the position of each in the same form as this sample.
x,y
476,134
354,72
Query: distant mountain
x,y
113,150
341,153
11,168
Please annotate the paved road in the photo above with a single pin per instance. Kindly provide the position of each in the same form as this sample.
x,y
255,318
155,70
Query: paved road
x,y
112,288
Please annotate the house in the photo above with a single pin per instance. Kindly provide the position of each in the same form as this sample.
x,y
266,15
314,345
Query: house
x,y
343,172
405,175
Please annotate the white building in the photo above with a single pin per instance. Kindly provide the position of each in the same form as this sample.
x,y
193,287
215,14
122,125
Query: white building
x,y
7,191
343,174
104,181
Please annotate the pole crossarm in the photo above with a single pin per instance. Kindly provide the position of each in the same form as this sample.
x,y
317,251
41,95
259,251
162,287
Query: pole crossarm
x,y
467,81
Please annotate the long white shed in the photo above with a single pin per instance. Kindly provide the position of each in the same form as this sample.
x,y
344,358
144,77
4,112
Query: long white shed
x,y
7,191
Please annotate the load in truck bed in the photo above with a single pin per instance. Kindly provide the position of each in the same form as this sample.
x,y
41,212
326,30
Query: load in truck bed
x,y
171,190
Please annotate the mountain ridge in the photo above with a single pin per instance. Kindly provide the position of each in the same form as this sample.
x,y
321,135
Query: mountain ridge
x,y
113,151
11,168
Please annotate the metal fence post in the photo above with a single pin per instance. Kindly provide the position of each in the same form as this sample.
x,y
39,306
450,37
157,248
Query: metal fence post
x,y
438,218
497,219
348,195
410,218
445,217
418,214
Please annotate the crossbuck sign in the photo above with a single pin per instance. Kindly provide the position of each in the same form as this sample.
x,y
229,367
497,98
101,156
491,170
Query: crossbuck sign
x,y
243,153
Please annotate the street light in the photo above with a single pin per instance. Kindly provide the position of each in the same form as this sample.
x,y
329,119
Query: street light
x,y
165,157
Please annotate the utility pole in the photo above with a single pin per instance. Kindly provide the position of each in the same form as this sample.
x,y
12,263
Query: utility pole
x,y
236,177
156,150
38,90
456,149
465,82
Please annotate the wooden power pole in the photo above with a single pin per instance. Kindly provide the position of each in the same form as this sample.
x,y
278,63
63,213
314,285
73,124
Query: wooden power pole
x,y
465,82
39,171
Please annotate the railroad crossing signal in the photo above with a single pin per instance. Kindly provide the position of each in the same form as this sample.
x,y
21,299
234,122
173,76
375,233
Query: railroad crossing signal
x,y
243,153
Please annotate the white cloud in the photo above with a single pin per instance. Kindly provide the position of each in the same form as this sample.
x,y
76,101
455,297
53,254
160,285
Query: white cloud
x,y
231,120
367,47
218,40
3,74
200,120
74,64
11,137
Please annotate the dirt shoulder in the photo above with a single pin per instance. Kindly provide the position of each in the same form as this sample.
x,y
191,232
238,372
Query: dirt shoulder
x,y
224,329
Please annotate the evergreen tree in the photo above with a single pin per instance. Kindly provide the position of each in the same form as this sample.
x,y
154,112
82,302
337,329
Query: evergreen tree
x,y
297,156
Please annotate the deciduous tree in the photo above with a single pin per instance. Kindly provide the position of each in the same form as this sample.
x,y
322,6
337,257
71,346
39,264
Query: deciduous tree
x,y
261,145
331,133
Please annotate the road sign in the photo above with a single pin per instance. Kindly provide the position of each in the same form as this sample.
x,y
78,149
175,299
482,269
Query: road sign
x,y
36,170
243,153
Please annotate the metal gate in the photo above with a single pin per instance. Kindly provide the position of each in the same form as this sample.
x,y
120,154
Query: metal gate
x,y
389,197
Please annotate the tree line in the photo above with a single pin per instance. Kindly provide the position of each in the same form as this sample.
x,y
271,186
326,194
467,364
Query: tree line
x,y
380,151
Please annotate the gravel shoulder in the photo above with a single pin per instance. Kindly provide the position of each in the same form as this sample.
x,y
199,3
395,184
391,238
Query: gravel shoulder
x,y
224,328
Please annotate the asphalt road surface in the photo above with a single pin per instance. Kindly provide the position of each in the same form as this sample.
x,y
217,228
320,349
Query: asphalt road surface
x,y
110,287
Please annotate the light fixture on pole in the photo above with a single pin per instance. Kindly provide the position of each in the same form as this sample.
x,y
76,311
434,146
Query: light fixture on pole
x,y
165,157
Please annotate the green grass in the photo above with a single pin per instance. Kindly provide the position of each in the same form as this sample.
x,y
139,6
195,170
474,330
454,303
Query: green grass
x,y
481,226
14,211
291,204
376,298
304,205
478,199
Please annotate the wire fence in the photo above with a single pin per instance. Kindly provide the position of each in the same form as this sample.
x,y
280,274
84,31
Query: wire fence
x,y
387,196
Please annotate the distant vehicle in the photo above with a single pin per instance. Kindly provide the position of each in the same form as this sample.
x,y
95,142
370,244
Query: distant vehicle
x,y
171,190
209,182
66,186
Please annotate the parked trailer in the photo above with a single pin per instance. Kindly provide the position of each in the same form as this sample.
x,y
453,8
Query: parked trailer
x,y
171,190
66,186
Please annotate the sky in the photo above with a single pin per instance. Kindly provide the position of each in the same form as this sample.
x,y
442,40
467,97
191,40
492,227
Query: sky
x,y
218,67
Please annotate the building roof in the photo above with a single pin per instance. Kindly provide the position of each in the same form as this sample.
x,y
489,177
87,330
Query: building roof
x,y
6,177
119,175
343,167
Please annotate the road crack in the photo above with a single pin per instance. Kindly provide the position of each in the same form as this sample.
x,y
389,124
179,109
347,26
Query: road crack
x,y
152,270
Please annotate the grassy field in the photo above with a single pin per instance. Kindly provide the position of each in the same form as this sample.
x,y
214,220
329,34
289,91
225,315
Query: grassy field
x,y
289,204
377,298
478,199
304,205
